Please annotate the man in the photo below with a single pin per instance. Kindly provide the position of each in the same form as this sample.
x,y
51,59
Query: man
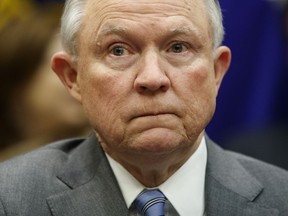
x,y
147,74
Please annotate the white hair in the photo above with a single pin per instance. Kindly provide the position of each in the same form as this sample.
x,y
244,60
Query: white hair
x,y
71,21
216,21
75,10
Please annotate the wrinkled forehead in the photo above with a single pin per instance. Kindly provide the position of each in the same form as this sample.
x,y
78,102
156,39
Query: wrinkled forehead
x,y
97,11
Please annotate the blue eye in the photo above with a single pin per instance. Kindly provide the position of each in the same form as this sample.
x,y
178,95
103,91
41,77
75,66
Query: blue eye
x,y
178,48
118,51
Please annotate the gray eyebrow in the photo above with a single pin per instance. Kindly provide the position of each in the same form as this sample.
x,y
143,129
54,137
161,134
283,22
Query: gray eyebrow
x,y
112,30
181,30
185,31
123,30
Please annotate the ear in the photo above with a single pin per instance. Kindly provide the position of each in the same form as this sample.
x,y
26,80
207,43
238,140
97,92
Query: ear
x,y
64,67
222,59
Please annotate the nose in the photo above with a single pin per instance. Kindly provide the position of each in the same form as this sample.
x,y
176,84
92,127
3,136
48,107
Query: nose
x,y
151,76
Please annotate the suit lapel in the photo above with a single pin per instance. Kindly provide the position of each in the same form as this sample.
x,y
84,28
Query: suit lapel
x,y
93,187
229,188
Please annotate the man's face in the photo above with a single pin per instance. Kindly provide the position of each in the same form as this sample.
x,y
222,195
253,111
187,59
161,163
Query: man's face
x,y
146,74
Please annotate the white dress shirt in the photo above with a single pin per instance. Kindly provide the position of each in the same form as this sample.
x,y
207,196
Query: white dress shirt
x,y
184,189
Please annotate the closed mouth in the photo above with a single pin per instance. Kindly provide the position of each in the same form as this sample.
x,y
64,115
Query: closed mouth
x,y
152,114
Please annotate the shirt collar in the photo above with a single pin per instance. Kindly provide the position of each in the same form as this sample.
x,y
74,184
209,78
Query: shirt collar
x,y
184,189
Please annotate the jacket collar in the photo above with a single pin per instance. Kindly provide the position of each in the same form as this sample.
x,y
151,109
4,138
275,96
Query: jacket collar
x,y
93,187
229,188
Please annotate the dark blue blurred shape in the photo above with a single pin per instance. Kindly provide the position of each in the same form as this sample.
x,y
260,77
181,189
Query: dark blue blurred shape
x,y
254,93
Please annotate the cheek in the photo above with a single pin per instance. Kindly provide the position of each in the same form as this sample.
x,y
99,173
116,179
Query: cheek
x,y
200,81
103,95
197,91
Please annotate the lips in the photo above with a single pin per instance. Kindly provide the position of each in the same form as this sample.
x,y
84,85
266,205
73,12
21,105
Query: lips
x,y
151,114
150,109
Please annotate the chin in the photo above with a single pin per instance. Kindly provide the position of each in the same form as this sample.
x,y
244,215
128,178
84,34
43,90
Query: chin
x,y
157,141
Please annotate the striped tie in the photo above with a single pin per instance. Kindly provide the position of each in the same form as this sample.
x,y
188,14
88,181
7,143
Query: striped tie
x,y
150,203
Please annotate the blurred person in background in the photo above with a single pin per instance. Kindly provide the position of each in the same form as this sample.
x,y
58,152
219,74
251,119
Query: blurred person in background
x,y
35,107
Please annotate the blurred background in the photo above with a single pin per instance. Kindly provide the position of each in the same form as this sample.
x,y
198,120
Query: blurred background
x,y
252,106
35,107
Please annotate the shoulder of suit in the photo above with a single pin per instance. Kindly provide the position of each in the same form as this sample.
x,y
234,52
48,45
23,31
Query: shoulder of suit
x,y
243,174
252,165
26,181
50,157
258,167
273,179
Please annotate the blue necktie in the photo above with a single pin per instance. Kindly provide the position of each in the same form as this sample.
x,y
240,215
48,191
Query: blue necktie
x,y
150,203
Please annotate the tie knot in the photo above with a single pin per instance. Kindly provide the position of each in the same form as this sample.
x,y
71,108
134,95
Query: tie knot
x,y
150,203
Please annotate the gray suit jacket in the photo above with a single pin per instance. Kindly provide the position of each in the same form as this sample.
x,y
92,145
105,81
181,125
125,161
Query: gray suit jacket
x,y
73,178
